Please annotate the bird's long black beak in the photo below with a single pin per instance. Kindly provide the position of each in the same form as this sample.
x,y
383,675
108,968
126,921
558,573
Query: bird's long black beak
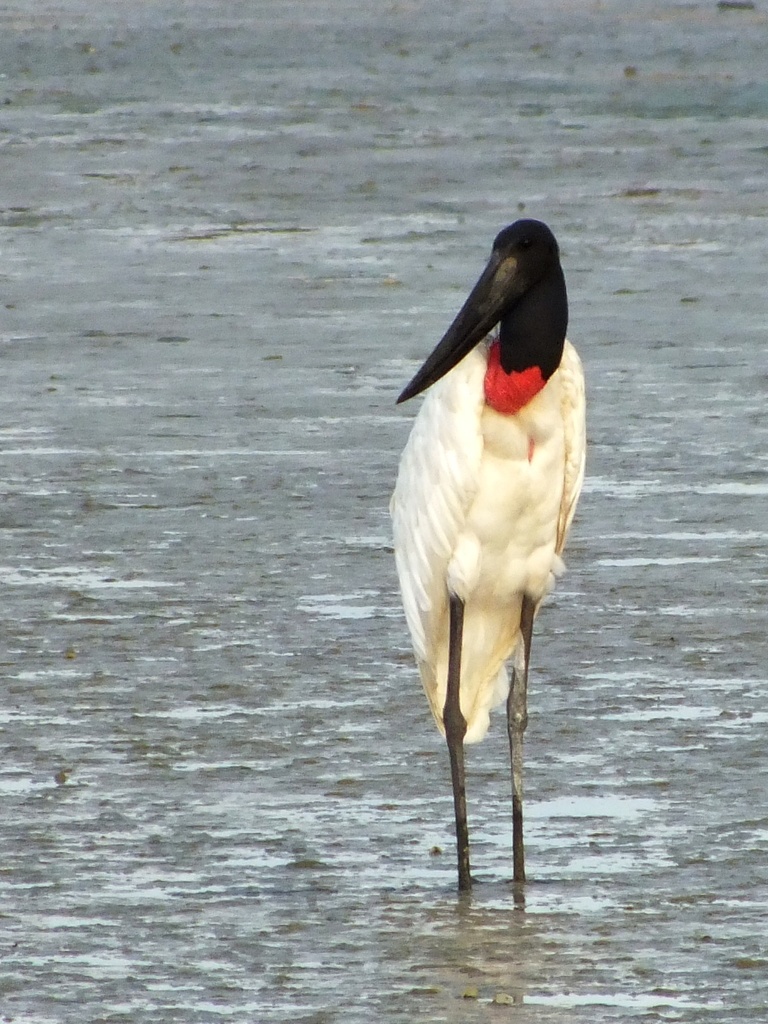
x,y
488,301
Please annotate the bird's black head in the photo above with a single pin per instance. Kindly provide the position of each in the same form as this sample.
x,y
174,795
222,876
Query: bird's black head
x,y
531,244
523,289
532,328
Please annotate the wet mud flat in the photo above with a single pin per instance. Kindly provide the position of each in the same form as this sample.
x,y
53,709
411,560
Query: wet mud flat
x,y
229,233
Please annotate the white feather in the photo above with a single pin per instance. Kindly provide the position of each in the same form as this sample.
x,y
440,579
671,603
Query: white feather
x,y
474,516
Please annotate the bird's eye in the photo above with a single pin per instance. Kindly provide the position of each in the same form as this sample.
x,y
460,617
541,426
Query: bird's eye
x,y
526,243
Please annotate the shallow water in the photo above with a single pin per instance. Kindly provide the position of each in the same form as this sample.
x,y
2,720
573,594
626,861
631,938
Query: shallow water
x,y
229,234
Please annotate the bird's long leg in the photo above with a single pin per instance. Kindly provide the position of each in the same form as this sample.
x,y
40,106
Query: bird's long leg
x,y
455,729
517,720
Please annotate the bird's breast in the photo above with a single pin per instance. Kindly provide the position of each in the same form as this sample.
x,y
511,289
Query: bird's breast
x,y
515,511
529,440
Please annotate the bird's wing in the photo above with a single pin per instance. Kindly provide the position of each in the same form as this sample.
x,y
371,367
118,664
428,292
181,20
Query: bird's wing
x,y
574,422
436,484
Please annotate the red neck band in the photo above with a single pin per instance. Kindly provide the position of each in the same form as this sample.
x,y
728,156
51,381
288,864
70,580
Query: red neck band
x,y
507,393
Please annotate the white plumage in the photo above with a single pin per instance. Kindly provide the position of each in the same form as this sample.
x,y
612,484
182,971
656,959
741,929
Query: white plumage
x,y
481,509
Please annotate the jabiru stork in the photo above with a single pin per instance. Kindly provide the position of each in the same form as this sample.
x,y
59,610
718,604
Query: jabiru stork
x,y
486,491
